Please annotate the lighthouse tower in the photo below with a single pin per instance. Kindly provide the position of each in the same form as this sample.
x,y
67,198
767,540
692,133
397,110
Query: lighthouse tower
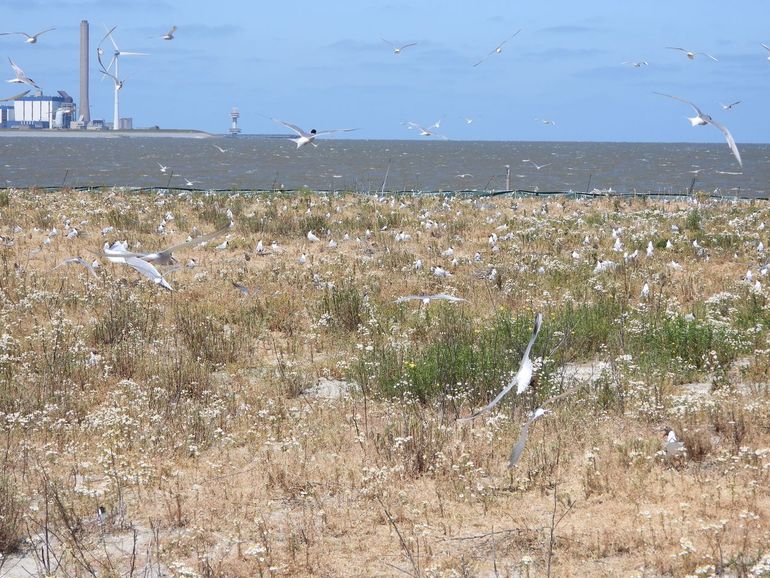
x,y
234,128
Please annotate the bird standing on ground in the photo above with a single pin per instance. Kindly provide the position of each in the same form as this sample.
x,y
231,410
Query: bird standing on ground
x,y
523,376
672,446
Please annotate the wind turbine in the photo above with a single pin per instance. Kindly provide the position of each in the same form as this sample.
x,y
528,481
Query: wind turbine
x,y
115,76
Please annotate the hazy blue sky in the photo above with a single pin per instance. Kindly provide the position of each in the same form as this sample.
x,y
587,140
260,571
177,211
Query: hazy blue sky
x,y
324,65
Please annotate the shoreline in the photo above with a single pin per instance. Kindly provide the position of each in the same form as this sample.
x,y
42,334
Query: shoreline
x,y
138,133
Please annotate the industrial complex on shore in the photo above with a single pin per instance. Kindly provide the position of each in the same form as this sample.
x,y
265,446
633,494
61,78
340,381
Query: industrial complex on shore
x,y
32,114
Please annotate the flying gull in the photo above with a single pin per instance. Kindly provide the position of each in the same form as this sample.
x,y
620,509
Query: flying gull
x,y
170,34
31,38
304,138
701,118
426,299
523,376
119,253
21,78
690,53
397,49
497,49
427,131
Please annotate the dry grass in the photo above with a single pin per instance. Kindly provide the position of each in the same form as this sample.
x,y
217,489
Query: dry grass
x,y
192,419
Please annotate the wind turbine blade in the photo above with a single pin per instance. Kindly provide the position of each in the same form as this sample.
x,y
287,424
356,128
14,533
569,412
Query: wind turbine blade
x,y
122,53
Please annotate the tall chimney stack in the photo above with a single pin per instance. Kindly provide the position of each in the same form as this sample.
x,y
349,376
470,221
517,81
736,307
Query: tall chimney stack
x,y
85,108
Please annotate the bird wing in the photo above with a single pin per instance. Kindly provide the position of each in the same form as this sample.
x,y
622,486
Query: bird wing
x,y
518,448
19,72
196,241
677,48
293,127
490,53
697,110
109,35
765,45
409,298
148,270
387,42
446,297
707,54
331,130
42,32
78,261
730,140
407,45
16,96
491,404
171,32
105,70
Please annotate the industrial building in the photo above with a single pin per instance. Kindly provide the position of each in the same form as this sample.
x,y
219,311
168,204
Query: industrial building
x,y
38,111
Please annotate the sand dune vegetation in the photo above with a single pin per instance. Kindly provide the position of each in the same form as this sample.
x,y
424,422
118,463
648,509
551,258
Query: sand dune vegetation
x,y
277,413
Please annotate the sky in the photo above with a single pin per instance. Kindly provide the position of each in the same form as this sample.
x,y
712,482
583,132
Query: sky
x,y
325,65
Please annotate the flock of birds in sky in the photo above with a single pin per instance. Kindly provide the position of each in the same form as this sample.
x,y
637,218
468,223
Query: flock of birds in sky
x,y
308,137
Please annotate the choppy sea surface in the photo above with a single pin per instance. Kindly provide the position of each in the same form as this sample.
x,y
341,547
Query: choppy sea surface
x,y
259,163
